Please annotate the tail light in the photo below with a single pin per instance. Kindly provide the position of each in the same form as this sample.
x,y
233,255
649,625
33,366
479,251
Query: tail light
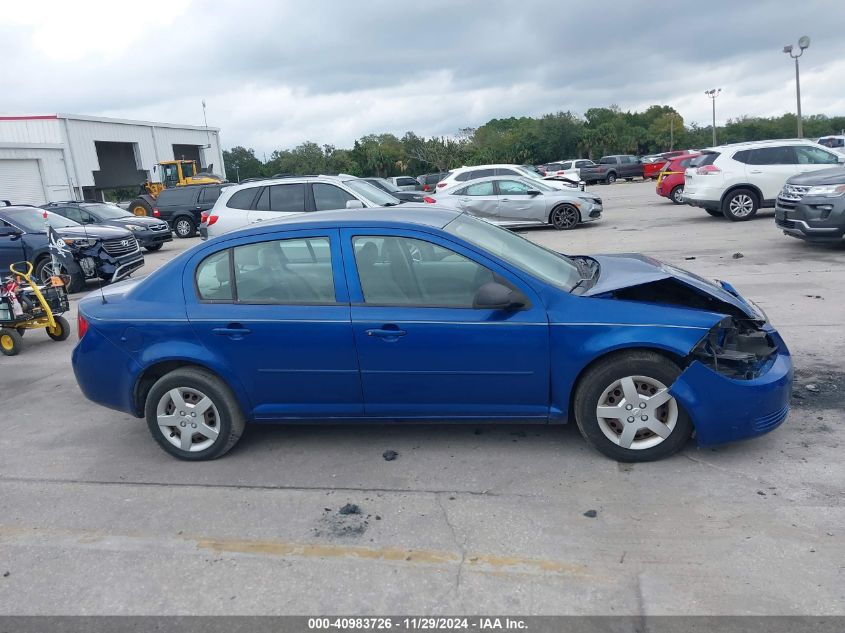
x,y
81,325
429,199
203,217
426,188
441,184
705,170
212,219
156,214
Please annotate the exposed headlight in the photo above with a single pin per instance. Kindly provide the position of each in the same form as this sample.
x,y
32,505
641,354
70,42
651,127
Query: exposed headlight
x,y
736,348
133,227
79,242
827,191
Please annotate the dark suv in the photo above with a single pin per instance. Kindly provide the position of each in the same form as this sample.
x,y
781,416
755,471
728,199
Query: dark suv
x,y
429,181
610,168
182,207
811,206
151,233
82,252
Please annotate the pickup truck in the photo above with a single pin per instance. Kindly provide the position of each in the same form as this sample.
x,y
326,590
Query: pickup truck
x,y
611,168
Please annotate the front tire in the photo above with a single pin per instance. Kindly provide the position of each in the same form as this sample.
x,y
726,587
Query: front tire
x,y
624,410
565,217
193,415
677,194
44,270
184,227
740,205
61,331
611,178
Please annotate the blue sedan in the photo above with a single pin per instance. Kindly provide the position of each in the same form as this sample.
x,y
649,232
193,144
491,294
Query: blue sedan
x,y
426,314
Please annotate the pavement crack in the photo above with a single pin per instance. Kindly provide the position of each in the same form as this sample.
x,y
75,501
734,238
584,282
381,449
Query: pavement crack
x,y
461,545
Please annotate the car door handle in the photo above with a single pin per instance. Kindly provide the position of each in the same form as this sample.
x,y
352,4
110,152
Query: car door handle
x,y
504,199
756,171
233,330
387,333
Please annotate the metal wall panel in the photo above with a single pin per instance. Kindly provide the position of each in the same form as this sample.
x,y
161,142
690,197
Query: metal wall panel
x,y
51,166
26,131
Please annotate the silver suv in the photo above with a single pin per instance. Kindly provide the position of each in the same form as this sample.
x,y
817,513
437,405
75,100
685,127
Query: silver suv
x,y
273,198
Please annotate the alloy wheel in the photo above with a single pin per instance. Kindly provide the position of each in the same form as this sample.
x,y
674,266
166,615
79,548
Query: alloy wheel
x,y
678,195
183,228
188,419
637,412
565,218
741,205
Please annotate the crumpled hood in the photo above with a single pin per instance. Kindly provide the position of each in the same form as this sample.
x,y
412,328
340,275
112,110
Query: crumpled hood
x,y
632,269
94,232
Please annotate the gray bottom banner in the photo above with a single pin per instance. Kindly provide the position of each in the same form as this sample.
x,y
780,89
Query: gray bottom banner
x,y
540,624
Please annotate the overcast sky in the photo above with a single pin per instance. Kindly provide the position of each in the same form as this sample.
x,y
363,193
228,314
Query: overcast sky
x,y
275,73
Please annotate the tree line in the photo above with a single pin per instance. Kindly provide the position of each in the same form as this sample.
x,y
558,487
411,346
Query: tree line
x,y
523,140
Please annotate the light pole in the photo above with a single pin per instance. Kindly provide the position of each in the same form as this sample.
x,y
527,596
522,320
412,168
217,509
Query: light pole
x,y
803,44
712,94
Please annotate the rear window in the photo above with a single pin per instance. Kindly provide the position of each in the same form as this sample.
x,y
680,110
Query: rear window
x,y
242,199
707,158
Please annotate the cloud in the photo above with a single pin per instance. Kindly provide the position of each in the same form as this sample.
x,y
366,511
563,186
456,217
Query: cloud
x,y
277,73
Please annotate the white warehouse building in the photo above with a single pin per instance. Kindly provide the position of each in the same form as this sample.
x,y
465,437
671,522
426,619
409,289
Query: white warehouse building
x,y
47,158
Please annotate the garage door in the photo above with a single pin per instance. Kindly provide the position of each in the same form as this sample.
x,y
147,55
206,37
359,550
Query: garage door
x,y
20,182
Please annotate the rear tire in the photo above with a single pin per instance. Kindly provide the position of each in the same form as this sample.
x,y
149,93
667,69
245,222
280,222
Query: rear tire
x,y
184,227
141,208
62,330
606,386
740,205
10,342
214,430
676,194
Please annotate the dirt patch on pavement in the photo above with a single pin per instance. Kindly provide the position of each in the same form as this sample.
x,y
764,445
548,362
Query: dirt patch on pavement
x,y
818,389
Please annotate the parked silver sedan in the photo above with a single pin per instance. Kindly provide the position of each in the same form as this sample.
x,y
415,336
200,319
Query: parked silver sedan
x,y
515,201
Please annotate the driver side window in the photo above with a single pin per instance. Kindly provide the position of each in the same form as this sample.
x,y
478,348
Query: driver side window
x,y
404,271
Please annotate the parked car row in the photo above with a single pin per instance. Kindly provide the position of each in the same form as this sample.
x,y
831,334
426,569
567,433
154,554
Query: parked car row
x,y
803,180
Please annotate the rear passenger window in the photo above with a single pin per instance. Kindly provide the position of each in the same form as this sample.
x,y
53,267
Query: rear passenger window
x,y
482,173
294,271
783,155
478,189
463,177
328,197
214,277
242,199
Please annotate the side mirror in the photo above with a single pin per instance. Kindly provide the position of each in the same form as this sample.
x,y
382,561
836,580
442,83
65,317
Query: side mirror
x,y
533,192
354,204
495,296
9,231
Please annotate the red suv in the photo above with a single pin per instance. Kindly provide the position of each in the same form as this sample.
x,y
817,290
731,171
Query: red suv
x,y
670,182
653,167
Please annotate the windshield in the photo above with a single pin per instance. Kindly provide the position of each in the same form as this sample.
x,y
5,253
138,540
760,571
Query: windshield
x,y
528,173
32,220
371,193
553,268
107,211
386,185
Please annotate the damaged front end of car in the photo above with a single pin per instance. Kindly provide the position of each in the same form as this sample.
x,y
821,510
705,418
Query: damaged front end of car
x,y
736,381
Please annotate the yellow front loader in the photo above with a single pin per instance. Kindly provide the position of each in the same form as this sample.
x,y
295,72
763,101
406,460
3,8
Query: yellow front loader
x,y
174,173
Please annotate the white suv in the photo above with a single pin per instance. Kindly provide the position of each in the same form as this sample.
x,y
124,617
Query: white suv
x,y
273,198
735,180
462,174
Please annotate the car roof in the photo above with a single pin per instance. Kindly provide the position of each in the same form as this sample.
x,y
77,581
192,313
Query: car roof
x,y
286,180
487,166
405,215
767,143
